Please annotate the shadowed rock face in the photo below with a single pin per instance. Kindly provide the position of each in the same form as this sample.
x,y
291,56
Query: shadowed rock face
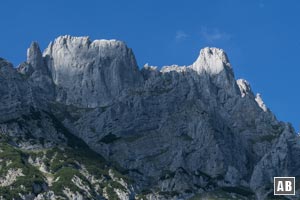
x,y
15,97
177,130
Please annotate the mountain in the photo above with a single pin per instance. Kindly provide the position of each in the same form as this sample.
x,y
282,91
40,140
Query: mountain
x,y
82,121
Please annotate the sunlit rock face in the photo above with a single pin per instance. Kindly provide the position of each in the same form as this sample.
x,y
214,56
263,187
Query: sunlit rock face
x,y
180,130
91,73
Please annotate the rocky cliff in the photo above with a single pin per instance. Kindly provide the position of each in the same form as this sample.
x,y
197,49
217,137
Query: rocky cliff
x,y
181,132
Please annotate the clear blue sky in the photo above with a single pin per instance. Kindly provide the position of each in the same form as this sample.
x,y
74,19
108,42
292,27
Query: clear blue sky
x,y
261,37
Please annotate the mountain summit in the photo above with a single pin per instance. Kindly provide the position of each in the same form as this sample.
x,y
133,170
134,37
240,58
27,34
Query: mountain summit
x,y
82,121
90,74
212,60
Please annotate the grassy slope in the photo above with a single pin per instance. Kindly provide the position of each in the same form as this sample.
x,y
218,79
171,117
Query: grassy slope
x,y
62,164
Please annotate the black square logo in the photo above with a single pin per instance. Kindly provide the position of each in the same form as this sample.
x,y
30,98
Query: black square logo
x,y
284,185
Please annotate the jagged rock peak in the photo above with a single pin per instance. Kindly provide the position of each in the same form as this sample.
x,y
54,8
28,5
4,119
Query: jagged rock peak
x,y
244,87
150,67
261,103
34,55
6,68
85,39
211,60
84,43
166,69
3,62
91,73
74,39
33,49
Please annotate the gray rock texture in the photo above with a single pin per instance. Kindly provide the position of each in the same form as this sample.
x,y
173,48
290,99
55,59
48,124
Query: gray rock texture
x,y
90,74
15,95
177,132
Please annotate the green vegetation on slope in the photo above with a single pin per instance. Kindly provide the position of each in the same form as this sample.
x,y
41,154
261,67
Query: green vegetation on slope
x,y
72,165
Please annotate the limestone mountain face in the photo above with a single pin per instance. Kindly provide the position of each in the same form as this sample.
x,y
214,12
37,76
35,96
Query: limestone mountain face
x,y
15,95
90,74
179,132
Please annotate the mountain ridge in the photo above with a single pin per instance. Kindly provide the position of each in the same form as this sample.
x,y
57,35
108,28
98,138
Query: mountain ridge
x,y
178,132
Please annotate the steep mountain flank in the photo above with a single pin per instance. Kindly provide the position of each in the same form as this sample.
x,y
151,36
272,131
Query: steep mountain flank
x,y
181,132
